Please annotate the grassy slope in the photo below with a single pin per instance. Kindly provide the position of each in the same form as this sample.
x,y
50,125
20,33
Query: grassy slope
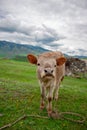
x,y
19,94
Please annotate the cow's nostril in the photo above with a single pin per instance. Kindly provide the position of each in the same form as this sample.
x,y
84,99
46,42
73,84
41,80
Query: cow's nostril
x,y
45,71
51,71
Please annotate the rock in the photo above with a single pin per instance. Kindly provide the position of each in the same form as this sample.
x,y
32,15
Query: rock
x,y
75,67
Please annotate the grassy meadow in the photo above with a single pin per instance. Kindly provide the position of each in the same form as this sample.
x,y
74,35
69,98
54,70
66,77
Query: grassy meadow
x,y
20,94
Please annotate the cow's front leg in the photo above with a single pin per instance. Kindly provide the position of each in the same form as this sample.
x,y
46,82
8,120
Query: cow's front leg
x,y
43,93
49,107
50,97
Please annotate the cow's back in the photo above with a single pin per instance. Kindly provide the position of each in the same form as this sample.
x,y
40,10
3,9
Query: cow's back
x,y
55,54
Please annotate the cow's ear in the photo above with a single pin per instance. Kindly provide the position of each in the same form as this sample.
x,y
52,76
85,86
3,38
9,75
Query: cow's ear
x,y
61,61
32,59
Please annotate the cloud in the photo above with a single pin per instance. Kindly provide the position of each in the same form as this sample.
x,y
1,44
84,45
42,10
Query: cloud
x,y
47,35
10,24
31,33
53,24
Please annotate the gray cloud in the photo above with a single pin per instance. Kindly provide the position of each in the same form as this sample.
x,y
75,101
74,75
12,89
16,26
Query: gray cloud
x,y
11,25
47,36
42,34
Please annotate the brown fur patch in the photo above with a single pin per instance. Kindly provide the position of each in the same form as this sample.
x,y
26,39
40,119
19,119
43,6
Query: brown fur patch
x,y
49,99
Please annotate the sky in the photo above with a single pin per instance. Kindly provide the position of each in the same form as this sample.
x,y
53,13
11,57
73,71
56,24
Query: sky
x,y
58,25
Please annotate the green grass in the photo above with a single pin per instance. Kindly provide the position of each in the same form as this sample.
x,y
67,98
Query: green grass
x,y
20,94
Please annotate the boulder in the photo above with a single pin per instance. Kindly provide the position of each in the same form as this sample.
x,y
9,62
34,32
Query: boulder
x,y
75,67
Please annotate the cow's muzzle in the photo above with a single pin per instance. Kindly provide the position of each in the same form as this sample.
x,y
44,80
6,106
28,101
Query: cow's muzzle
x,y
48,72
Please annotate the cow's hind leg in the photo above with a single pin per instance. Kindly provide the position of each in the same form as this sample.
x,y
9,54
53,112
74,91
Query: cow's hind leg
x,y
57,89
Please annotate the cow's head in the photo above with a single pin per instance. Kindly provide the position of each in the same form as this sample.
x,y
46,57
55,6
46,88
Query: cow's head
x,y
46,67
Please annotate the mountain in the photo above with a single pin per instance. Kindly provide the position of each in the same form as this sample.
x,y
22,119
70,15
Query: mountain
x,y
19,51
10,49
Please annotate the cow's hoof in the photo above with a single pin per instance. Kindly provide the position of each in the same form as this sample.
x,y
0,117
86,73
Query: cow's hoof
x,y
42,107
53,115
55,98
49,113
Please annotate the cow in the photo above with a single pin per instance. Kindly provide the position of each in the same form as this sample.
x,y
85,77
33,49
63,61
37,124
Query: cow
x,y
50,72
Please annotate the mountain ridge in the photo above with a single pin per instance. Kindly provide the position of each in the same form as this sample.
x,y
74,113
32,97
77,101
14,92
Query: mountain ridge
x,y
12,49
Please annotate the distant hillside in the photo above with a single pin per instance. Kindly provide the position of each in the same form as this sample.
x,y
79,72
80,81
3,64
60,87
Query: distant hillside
x,y
11,50
19,51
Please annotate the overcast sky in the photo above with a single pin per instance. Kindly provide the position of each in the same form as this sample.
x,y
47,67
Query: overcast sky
x,y
52,24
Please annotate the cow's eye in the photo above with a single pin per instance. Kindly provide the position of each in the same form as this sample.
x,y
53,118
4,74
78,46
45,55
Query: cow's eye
x,y
38,64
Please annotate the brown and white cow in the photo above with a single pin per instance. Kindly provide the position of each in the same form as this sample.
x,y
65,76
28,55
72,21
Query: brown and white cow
x,y
50,71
